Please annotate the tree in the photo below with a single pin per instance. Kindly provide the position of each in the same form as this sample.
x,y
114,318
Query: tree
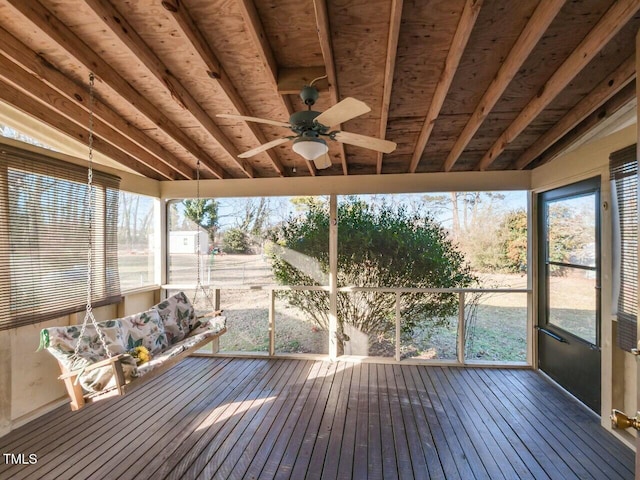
x,y
513,241
235,240
204,213
377,247
254,216
570,233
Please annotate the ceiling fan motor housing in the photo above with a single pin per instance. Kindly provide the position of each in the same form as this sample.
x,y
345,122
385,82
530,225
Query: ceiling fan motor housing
x,y
303,121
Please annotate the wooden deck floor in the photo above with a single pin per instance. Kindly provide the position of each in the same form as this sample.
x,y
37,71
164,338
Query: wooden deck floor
x,y
243,418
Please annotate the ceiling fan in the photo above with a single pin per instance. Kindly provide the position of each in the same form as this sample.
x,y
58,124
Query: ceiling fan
x,y
311,127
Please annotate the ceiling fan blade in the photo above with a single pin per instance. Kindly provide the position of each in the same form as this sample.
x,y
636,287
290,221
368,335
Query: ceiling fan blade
x,y
372,143
254,119
342,111
262,148
322,162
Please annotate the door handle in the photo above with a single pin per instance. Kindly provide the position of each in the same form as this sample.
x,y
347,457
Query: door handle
x,y
621,421
552,335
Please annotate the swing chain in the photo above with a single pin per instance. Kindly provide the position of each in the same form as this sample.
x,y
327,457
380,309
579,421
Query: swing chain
x,y
198,280
90,204
199,286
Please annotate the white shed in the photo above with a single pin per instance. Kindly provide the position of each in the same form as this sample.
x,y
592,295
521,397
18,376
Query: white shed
x,y
186,242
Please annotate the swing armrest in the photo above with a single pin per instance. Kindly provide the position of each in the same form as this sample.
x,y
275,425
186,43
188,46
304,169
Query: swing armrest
x,y
101,363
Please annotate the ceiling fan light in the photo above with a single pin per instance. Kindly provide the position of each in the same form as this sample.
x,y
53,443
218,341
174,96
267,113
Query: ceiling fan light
x,y
310,148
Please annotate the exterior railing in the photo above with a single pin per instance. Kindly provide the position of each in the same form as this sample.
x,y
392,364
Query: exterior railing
x,y
461,292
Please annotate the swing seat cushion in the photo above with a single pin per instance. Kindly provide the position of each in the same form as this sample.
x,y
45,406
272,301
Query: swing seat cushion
x,y
209,328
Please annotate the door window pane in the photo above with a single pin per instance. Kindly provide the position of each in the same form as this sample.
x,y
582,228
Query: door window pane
x,y
572,231
572,302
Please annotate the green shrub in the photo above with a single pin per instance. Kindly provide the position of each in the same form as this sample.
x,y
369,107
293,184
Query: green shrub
x,y
377,247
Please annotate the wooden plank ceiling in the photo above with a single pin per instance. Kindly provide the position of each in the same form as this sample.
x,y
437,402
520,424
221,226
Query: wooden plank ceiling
x,y
458,84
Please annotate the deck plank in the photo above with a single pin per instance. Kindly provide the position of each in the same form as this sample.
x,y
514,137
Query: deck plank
x,y
584,455
306,428
539,435
344,462
290,419
424,427
268,432
389,459
585,428
418,462
72,440
218,441
494,458
115,455
317,429
62,417
318,454
374,439
470,443
266,462
400,440
238,439
452,442
361,449
193,451
331,459
192,415
437,440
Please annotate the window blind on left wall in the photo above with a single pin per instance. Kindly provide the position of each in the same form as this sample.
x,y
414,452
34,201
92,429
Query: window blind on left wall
x,y
44,238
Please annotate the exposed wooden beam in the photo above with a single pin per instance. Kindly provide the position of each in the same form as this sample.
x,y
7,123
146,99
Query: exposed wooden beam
x,y
291,80
31,86
191,31
389,69
119,25
458,44
581,131
39,67
324,35
194,35
526,42
44,20
606,89
43,112
256,30
257,33
611,22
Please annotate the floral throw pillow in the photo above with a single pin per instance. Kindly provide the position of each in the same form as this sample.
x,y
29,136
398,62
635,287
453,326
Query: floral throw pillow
x,y
177,315
144,329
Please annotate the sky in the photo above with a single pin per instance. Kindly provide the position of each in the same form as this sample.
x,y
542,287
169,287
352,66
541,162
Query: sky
x,y
231,209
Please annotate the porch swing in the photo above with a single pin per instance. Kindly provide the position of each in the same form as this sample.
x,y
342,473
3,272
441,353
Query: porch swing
x,y
103,359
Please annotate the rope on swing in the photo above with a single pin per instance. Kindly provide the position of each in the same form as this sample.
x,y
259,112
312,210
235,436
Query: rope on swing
x,y
89,317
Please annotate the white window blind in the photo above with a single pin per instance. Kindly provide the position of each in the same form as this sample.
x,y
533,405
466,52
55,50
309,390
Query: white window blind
x,y
623,169
44,238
